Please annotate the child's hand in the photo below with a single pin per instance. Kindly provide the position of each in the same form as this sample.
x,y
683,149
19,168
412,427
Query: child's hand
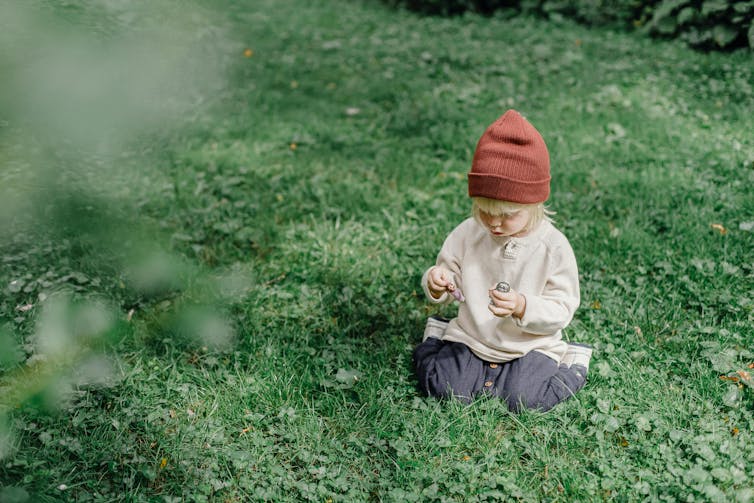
x,y
509,303
439,282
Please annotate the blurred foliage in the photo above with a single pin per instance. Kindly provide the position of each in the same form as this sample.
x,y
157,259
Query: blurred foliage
x,y
454,7
703,24
90,93
709,24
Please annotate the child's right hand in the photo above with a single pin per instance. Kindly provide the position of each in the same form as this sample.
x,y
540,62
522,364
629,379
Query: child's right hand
x,y
439,281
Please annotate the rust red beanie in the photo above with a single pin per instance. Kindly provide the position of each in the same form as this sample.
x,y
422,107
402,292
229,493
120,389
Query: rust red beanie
x,y
511,162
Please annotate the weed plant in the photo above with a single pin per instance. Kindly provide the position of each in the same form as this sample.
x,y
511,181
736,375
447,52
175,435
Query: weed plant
x,y
299,203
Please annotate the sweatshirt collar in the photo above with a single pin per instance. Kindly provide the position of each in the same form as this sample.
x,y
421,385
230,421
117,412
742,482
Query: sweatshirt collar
x,y
511,246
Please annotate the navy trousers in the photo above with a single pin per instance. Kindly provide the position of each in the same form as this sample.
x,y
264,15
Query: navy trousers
x,y
448,369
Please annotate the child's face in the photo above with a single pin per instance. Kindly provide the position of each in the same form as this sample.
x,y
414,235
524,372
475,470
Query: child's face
x,y
507,224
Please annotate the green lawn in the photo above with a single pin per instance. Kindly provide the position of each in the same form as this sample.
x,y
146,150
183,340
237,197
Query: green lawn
x,y
223,305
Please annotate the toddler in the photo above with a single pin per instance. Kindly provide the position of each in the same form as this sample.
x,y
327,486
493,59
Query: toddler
x,y
516,279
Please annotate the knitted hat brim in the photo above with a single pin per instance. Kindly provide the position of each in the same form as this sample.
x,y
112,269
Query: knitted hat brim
x,y
507,189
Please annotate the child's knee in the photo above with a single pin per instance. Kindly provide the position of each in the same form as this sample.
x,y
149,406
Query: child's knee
x,y
425,365
432,380
520,397
426,351
528,400
444,370
536,382
544,395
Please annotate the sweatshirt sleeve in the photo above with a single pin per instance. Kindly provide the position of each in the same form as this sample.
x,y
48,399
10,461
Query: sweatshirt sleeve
x,y
450,258
554,307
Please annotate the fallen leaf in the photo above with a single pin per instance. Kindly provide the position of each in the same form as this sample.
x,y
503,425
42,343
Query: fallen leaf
x,y
163,463
719,228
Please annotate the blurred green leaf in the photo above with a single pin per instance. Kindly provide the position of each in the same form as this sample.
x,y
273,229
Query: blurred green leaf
x,y
347,377
732,396
11,353
714,6
724,34
12,494
686,15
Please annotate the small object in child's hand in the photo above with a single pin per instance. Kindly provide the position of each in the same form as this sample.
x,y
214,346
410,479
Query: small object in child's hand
x,y
457,294
503,286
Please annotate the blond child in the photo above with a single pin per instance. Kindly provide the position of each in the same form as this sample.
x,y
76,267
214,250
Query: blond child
x,y
516,278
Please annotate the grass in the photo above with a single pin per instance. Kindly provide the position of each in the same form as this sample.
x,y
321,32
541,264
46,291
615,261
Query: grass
x,y
298,206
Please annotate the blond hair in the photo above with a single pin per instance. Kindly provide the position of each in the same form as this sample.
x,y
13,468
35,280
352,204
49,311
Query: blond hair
x,y
496,207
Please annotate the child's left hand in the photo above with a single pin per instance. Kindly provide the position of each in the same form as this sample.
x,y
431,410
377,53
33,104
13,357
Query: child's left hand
x,y
509,303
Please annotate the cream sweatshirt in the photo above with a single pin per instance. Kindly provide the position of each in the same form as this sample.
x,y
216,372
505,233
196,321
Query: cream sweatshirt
x,y
541,266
